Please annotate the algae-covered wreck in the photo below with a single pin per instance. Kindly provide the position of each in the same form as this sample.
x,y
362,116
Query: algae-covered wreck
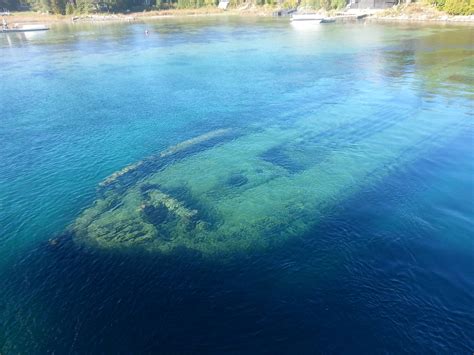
x,y
225,192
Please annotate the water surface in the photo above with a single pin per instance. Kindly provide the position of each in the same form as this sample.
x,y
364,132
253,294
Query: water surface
x,y
335,214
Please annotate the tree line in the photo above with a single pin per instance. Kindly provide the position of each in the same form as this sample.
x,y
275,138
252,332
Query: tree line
x,y
67,7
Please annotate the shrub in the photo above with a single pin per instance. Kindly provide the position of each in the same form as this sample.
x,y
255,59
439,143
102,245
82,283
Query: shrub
x,y
338,4
289,4
439,3
459,7
324,4
58,6
314,4
191,4
85,6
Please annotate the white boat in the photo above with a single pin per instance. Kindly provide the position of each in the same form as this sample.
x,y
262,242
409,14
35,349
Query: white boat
x,y
307,17
24,28
313,18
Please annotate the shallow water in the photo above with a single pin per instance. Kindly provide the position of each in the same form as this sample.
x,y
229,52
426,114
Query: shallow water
x,y
335,214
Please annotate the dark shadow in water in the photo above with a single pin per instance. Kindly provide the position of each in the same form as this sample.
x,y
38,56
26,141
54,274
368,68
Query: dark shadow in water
x,y
316,148
353,284
237,180
156,214
278,156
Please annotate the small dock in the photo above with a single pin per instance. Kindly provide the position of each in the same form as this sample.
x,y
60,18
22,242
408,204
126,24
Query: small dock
x,y
338,17
348,17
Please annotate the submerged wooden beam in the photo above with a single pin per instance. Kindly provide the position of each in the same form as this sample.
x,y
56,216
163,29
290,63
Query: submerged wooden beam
x,y
157,197
168,152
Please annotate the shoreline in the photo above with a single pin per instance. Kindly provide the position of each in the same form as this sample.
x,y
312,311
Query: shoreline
x,y
414,20
34,18
402,14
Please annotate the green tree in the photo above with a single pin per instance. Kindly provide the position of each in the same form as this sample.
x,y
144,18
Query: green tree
x,y
338,4
85,6
58,6
70,8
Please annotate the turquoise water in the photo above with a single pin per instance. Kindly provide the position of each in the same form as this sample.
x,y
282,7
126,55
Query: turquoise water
x,y
237,185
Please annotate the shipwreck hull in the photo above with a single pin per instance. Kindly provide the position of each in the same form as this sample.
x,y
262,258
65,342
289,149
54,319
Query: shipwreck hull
x,y
223,193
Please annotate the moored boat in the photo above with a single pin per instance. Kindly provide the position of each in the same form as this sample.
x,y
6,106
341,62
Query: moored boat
x,y
306,17
328,20
22,28
312,18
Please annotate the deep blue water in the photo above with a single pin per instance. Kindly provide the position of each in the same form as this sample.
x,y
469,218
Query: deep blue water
x,y
358,138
